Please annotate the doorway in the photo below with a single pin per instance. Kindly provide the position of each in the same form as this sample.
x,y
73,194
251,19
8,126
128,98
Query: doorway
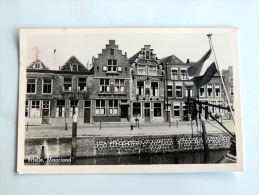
x,y
124,111
147,112
45,112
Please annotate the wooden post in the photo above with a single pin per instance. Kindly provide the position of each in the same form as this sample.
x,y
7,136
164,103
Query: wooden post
x,y
100,125
74,139
204,136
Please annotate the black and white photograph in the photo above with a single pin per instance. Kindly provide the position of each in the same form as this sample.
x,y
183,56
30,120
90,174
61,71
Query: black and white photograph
x,y
129,100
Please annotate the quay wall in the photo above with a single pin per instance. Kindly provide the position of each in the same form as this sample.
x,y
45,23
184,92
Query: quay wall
x,y
127,145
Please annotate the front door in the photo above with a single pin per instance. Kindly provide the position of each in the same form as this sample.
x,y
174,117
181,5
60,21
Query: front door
x,y
45,112
87,116
147,112
124,111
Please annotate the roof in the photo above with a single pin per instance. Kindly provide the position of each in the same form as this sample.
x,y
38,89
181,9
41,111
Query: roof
x,y
133,58
39,62
73,60
172,59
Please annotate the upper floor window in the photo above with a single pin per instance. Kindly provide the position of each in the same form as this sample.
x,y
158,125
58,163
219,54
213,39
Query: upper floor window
x,y
112,51
154,88
81,84
47,86
112,65
141,69
176,110
36,65
189,92
152,70
209,89
67,84
217,90
140,88
202,92
104,85
174,74
119,85
183,74
178,91
169,91
31,85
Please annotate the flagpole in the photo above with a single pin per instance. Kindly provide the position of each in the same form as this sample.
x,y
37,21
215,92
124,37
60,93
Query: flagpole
x,y
216,62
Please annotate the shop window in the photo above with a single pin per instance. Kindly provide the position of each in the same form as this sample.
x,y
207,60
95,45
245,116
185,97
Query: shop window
x,y
157,109
113,107
60,108
100,107
136,109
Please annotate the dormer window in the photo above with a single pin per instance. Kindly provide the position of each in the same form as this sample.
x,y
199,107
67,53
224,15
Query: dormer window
x,y
112,65
74,67
112,51
36,65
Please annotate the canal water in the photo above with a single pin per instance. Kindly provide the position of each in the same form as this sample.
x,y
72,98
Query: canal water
x,y
196,157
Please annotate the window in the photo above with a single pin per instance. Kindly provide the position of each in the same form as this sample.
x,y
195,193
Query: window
x,y
189,92
220,104
212,108
142,69
154,88
73,107
113,107
112,51
140,88
60,109
202,93
67,84
147,54
26,108
45,104
31,85
119,85
104,85
112,65
74,67
231,90
185,110
47,86
183,74
174,75
217,90
100,107
81,84
152,70
157,110
176,110
169,91
136,109
35,109
178,91
209,89
87,104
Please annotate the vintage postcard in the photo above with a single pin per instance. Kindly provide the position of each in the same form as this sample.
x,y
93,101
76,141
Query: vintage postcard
x,y
129,100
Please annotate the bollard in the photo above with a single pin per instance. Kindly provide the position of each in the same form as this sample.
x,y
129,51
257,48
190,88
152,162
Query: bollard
x,y
42,155
100,125
204,137
27,127
66,126
131,127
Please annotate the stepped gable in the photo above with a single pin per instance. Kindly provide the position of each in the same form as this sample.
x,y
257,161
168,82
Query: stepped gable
x,y
172,59
38,65
73,64
133,58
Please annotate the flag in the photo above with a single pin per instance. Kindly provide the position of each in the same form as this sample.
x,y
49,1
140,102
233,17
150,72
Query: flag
x,y
204,79
195,69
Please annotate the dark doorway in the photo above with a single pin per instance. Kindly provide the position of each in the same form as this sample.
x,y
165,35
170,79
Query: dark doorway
x,y
45,116
147,112
124,111
87,115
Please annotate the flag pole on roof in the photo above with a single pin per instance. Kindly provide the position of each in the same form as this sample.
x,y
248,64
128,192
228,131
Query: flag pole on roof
x,y
55,57
223,83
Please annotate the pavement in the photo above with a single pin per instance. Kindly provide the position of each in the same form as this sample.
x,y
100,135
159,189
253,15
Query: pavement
x,y
123,129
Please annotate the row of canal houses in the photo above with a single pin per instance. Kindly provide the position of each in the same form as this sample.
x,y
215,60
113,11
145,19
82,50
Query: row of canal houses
x,y
115,89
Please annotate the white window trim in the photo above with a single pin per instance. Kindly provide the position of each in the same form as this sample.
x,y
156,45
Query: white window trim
x,y
151,95
112,65
42,87
181,85
100,107
145,69
172,75
64,112
203,92
219,90
186,74
113,107
212,86
119,85
35,85
177,104
143,88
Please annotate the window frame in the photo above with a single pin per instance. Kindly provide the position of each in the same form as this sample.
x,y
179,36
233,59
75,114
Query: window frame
x,y
36,80
211,94
152,90
203,91
104,86
67,90
74,106
78,87
60,106
142,90
178,85
113,107
134,109
155,103
112,65
219,87
100,108
120,86
51,86
181,75
174,76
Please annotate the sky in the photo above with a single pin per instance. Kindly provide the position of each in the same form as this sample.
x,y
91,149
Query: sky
x,y
84,43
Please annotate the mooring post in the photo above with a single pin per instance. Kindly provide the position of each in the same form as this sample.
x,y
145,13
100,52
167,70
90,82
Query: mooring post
x,y
27,126
100,125
74,139
204,136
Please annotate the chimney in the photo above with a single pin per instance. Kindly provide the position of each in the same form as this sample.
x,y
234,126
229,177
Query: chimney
x,y
188,61
111,42
126,54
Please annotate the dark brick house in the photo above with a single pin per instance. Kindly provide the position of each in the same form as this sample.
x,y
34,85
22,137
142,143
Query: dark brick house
x,y
111,85
54,96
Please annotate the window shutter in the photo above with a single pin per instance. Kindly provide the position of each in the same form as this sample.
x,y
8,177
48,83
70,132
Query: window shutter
x,y
104,68
108,89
